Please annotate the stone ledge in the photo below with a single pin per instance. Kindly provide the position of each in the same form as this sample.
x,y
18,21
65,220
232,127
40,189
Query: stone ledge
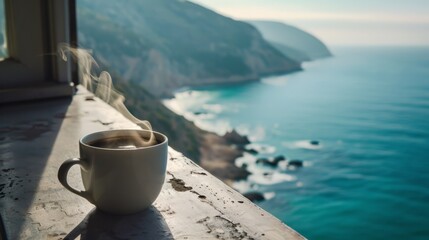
x,y
35,138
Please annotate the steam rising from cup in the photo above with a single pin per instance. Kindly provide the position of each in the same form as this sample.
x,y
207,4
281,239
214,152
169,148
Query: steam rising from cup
x,y
102,86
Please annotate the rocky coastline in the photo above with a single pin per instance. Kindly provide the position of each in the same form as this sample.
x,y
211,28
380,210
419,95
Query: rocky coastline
x,y
218,155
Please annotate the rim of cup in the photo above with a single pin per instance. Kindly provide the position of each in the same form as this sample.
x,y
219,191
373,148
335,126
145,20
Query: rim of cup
x,y
84,140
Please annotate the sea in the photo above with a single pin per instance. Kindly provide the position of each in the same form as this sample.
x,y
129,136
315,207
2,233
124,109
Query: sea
x,y
367,176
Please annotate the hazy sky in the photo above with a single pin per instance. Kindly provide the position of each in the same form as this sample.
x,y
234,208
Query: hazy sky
x,y
340,22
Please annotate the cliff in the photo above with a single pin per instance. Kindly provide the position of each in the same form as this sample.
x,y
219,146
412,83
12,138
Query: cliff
x,y
291,41
167,44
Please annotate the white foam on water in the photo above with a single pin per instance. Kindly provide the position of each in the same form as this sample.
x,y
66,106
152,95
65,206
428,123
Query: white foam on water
x,y
219,127
202,121
269,195
203,116
174,106
307,164
214,108
257,134
234,107
282,165
275,81
188,101
304,144
270,179
259,170
254,133
252,167
185,101
247,158
242,186
262,148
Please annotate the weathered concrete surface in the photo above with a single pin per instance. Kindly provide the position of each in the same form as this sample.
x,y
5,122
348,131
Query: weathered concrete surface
x,y
35,138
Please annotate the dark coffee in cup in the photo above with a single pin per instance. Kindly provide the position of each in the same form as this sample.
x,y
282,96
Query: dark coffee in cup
x,y
120,142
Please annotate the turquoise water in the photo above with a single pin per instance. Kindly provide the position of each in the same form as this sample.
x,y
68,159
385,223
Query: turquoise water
x,y
369,108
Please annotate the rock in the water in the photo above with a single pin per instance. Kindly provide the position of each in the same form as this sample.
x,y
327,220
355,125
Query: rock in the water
x,y
254,196
273,163
199,113
262,160
278,159
251,151
235,138
265,161
314,142
237,174
295,163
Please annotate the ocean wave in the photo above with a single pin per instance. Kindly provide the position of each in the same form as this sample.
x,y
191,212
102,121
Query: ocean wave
x,y
269,195
214,108
283,165
250,162
260,175
262,148
243,186
203,116
246,186
219,127
174,106
247,159
304,144
275,81
257,133
269,179
307,164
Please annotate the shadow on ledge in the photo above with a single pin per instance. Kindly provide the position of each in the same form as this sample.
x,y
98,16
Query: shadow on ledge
x,y
148,224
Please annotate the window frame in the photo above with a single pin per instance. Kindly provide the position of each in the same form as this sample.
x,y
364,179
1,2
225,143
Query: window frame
x,y
34,30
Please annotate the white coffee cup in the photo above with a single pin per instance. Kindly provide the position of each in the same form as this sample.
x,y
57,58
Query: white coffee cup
x,y
119,181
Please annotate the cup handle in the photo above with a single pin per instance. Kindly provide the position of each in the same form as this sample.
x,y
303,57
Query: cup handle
x,y
62,176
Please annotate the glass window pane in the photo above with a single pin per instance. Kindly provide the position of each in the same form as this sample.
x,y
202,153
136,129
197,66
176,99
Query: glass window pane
x,y
3,49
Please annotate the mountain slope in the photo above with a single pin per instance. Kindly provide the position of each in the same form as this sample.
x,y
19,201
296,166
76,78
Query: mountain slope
x,y
293,42
167,44
291,52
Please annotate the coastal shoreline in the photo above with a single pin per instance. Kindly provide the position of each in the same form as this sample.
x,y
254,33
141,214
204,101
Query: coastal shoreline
x,y
219,153
227,81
